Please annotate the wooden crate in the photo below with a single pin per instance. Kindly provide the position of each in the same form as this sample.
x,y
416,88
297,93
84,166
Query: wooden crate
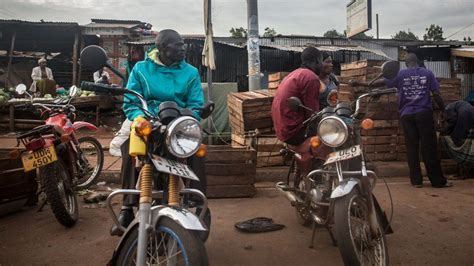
x,y
268,149
250,111
230,171
278,76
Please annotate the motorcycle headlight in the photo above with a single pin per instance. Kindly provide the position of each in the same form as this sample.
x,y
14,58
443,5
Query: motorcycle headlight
x,y
333,131
183,136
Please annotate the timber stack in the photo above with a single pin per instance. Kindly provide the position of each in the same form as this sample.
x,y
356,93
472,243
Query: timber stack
x,y
275,79
252,126
363,70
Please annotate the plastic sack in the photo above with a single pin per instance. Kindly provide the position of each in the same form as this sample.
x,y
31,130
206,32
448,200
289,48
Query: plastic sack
x,y
120,138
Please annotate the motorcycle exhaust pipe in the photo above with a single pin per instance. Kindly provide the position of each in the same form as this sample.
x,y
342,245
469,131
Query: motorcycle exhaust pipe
x,y
283,188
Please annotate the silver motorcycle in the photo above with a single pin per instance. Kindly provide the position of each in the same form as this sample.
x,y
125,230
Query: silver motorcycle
x,y
337,193
166,231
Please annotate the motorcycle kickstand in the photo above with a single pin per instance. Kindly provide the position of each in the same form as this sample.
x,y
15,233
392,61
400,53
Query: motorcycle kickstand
x,y
311,245
334,242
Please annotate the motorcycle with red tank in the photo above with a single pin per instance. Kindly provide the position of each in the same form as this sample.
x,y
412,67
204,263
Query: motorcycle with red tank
x,y
63,161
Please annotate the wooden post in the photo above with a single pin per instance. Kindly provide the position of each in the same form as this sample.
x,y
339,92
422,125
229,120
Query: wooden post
x,y
79,76
74,59
12,47
11,123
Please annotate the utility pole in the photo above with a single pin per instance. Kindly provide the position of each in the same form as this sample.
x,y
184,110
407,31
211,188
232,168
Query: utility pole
x,y
253,48
377,22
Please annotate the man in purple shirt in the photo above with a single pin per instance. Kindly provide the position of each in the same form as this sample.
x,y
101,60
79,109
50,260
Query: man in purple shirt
x,y
415,85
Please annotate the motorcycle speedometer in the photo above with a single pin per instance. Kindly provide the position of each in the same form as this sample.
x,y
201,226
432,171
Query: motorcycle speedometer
x,y
333,131
183,136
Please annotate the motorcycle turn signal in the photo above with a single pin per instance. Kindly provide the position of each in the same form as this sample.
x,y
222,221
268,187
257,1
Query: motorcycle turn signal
x,y
367,124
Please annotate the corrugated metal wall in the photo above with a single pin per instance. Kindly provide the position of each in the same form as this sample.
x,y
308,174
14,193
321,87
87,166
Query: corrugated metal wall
x,y
467,84
441,69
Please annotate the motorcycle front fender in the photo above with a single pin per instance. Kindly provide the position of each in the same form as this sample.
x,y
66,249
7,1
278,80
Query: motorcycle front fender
x,y
344,188
80,124
183,217
133,226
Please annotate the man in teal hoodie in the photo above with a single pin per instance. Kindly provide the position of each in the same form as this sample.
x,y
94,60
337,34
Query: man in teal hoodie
x,y
162,76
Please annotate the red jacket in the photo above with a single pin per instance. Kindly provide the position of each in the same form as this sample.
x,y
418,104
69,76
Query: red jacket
x,y
304,84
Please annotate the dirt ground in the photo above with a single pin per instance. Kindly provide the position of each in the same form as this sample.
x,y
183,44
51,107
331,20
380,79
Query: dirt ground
x,y
432,227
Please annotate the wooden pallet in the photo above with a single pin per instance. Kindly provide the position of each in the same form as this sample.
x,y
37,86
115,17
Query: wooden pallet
x,y
268,149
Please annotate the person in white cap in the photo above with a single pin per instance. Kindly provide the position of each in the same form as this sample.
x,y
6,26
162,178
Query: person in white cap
x,y
43,82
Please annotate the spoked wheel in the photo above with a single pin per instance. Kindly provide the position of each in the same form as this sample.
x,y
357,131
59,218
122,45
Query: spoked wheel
x,y
92,161
60,193
352,232
170,245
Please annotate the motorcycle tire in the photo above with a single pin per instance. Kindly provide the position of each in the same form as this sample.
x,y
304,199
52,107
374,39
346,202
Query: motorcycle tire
x,y
344,236
192,248
86,182
59,192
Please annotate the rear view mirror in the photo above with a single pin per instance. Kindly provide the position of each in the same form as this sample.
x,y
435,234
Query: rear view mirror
x,y
294,103
207,110
390,69
93,57
20,89
72,91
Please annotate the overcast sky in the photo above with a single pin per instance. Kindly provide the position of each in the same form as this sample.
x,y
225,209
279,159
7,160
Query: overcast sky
x,y
298,17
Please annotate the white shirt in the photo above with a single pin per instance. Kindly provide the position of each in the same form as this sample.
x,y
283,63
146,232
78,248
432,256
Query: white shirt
x,y
97,76
36,74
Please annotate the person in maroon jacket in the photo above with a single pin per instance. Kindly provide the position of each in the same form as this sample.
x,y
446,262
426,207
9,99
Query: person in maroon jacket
x,y
303,83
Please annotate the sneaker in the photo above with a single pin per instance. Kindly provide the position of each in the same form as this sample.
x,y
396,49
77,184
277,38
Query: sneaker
x,y
417,186
126,216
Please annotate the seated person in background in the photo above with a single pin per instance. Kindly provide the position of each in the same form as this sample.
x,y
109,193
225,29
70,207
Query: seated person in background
x,y
43,82
101,76
305,84
459,118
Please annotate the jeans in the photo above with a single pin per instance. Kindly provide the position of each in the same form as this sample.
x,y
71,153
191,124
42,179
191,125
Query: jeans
x,y
419,129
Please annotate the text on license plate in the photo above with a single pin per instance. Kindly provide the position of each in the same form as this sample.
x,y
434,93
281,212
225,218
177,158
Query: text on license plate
x,y
342,155
38,158
173,168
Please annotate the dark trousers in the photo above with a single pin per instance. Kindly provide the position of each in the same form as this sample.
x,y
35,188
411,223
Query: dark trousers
x,y
419,129
130,174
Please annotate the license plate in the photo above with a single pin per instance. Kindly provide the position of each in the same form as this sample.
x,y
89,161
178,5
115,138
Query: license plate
x,y
345,154
38,158
173,168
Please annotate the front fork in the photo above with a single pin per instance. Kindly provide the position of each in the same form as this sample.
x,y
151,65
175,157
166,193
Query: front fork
x,y
144,212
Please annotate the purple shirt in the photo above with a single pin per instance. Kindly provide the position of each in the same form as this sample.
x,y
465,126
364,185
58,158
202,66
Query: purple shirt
x,y
414,86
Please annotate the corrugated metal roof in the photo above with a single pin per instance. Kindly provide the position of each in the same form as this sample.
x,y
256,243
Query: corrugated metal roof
x,y
107,25
326,48
116,21
38,23
466,51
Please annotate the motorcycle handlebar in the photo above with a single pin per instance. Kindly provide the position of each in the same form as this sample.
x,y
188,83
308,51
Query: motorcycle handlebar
x,y
97,87
379,92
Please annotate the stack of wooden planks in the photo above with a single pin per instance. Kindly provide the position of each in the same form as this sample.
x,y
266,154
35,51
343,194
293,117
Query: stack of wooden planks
x,y
275,79
363,70
230,171
267,146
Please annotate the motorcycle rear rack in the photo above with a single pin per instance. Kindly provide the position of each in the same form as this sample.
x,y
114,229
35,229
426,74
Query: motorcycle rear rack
x,y
156,194
35,131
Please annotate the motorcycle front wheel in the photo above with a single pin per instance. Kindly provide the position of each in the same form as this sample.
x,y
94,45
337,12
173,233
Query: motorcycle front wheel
x,y
59,192
92,161
171,244
352,232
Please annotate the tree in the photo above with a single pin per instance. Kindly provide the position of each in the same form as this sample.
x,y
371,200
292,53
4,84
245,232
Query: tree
x,y
332,33
405,35
238,32
269,32
433,33
468,40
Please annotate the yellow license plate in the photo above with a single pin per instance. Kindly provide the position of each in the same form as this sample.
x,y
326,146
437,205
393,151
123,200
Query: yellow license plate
x,y
39,158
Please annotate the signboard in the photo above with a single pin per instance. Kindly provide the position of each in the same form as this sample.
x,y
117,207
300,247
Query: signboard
x,y
359,17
